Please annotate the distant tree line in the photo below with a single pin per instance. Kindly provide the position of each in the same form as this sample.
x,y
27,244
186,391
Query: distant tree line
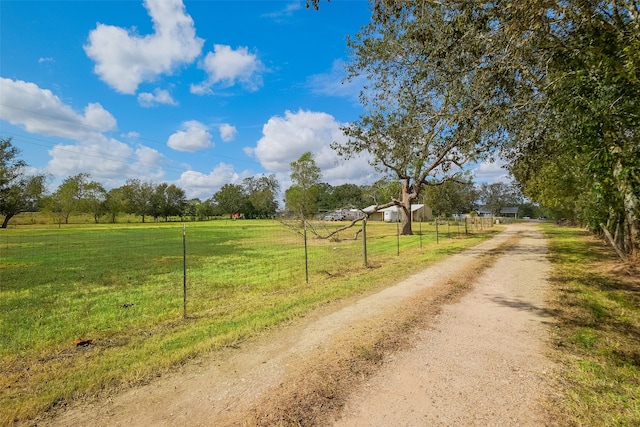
x,y
79,194
308,196
255,197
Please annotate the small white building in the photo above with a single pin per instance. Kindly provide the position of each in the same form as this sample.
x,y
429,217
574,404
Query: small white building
x,y
391,214
419,213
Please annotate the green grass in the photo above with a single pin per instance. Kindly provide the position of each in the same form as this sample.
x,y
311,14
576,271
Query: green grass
x,y
597,338
121,287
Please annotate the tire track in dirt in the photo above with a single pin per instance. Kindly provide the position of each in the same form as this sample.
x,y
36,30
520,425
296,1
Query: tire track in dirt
x,y
481,364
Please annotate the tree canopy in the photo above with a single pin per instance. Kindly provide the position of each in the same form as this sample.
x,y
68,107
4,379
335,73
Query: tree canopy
x,y
301,197
452,198
427,111
554,85
19,192
499,195
230,198
139,196
579,151
76,194
261,196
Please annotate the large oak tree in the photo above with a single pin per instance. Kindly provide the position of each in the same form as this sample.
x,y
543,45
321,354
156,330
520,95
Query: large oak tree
x,y
428,109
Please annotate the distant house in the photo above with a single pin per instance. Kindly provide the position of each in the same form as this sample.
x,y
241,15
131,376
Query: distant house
x,y
419,213
484,211
511,212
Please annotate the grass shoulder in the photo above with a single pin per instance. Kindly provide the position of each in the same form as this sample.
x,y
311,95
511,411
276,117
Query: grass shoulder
x,y
596,339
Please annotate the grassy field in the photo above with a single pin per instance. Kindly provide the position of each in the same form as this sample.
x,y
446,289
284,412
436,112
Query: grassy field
x,y
120,287
596,302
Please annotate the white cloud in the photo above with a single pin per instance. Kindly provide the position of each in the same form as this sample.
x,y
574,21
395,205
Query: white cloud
x,y
491,172
108,160
226,67
125,59
194,137
98,118
228,132
101,156
159,96
47,59
286,138
198,184
149,157
287,11
130,135
333,83
40,111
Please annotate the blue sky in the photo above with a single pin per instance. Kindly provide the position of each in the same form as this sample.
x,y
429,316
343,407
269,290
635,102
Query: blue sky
x,y
197,93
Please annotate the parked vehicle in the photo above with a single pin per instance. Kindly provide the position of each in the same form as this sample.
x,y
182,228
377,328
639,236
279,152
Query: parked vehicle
x,y
334,217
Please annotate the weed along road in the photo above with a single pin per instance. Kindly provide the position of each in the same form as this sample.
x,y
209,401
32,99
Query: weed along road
x,y
460,343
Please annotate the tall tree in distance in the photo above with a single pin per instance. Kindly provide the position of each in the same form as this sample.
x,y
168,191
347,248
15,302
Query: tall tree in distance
x,y
139,196
301,197
115,203
261,195
18,192
167,200
230,198
69,196
452,198
499,195
348,196
94,199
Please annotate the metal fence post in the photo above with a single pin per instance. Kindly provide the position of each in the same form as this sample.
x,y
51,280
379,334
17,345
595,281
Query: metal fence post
x,y
364,241
184,271
306,253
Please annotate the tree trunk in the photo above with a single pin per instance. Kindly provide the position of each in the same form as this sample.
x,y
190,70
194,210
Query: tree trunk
x,y
405,212
5,223
612,242
631,207
633,224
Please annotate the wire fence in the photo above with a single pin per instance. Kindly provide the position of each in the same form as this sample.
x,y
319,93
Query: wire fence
x,y
62,283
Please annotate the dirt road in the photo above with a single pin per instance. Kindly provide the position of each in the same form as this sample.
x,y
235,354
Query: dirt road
x,y
480,363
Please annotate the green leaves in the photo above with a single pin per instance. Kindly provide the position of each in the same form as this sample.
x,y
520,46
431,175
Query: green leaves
x,y
433,103
18,191
301,197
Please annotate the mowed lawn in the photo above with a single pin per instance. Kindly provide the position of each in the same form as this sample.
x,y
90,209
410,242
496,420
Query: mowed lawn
x,y
119,289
